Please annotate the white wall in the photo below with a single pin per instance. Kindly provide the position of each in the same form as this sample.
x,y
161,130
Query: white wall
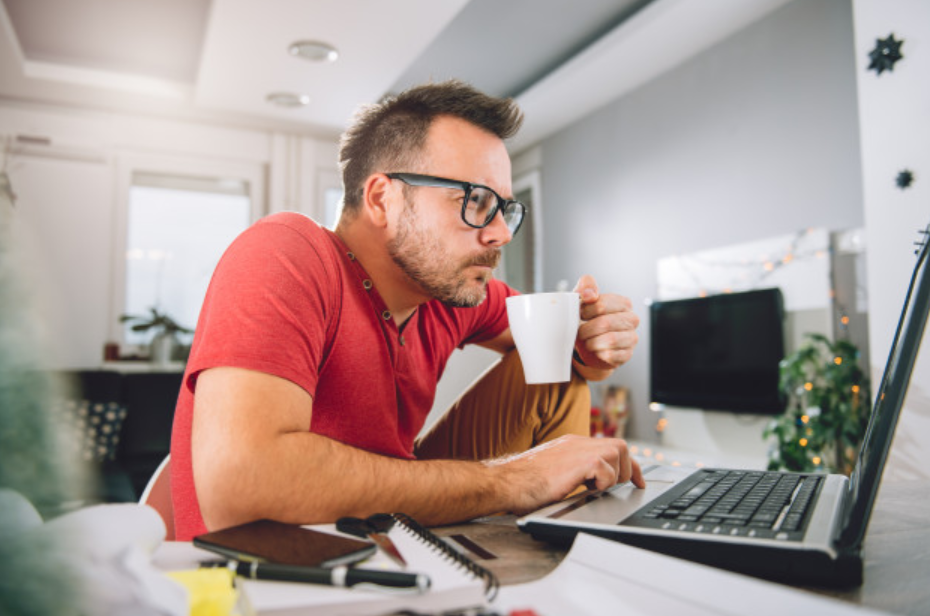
x,y
895,133
754,138
72,181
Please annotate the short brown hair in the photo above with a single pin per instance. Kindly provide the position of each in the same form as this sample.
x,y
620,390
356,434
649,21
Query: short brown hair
x,y
389,135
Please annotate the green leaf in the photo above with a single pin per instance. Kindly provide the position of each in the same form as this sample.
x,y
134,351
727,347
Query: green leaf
x,y
834,435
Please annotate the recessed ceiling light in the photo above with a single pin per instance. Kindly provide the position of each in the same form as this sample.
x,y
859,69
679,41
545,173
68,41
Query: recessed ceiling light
x,y
314,50
288,99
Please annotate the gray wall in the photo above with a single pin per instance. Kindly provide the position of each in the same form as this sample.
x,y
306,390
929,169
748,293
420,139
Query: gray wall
x,y
756,137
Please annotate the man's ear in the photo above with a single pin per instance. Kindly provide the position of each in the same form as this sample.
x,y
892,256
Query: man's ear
x,y
376,199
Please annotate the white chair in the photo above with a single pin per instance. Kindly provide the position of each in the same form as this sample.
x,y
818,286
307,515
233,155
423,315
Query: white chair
x,y
157,494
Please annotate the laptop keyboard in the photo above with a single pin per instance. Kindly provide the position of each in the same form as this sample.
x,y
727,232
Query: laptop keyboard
x,y
755,504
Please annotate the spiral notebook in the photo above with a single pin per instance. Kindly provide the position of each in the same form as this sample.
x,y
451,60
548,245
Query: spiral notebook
x,y
457,582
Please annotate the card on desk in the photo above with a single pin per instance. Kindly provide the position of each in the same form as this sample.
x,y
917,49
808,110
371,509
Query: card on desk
x,y
284,544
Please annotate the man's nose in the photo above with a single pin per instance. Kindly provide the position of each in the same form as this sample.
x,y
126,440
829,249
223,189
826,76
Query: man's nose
x,y
497,233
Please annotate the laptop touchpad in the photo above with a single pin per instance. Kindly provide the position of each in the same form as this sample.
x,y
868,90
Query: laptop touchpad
x,y
613,505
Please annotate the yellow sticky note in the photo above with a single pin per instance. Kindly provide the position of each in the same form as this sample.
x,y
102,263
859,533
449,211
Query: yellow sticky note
x,y
210,592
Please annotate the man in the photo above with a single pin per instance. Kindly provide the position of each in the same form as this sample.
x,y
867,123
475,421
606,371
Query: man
x,y
317,354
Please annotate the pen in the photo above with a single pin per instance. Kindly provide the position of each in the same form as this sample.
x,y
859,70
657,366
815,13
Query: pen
x,y
341,576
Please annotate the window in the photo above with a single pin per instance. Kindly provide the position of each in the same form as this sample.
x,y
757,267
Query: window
x,y
521,265
332,199
177,230
330,196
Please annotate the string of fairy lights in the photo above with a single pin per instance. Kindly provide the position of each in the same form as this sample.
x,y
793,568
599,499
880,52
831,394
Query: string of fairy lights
x,y
747,273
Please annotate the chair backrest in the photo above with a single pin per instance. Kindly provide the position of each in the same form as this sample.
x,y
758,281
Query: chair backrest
x,y
157,494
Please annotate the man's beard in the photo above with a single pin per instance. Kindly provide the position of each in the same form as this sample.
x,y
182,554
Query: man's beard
x,y
423,258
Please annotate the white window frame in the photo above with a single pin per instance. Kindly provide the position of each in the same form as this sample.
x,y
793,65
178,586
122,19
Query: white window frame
x,y
253,174
327,179
532,181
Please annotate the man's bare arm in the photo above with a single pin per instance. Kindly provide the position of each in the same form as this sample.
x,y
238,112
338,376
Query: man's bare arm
x,y
254,457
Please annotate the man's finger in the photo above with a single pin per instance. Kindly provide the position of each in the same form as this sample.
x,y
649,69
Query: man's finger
x,y
605,475
607,303
638,480
587,289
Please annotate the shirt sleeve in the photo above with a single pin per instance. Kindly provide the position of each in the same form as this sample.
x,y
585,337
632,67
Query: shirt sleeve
x,y
267,306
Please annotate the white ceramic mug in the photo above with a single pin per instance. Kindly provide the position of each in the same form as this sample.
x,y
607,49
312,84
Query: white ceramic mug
x,y
544,326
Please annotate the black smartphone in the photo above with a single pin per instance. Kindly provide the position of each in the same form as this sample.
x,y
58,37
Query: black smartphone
x,y
286,544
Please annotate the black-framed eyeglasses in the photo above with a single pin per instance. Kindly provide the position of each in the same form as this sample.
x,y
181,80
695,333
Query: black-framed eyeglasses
x,y
480,204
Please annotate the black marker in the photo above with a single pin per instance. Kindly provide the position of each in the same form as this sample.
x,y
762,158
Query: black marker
x,y
341,576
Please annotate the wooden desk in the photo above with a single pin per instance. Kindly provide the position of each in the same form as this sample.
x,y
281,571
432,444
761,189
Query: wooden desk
x,y
897,551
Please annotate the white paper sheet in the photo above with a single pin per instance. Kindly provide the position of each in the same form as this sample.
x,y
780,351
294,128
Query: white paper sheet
x,y
599,576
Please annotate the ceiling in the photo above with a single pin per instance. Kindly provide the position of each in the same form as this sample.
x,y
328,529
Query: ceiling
x,y
218,60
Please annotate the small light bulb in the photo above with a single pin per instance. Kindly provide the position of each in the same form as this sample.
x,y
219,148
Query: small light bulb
x,y
315,51
288,99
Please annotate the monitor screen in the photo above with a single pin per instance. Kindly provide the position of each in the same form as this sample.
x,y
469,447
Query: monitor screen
x,y
719,352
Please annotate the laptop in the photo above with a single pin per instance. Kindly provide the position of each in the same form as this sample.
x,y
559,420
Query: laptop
x,y
811,531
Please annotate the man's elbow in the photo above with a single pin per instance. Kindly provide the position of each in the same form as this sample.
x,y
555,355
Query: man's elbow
x,y
225,492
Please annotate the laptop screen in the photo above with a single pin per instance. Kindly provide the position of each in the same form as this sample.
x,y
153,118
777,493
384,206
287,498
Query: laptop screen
x,y
863,484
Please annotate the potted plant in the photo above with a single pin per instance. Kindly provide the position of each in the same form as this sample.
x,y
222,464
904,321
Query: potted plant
x,y
828,406
166,331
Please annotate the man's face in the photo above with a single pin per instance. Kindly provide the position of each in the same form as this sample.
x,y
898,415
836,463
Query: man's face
x,y
444,257
421,254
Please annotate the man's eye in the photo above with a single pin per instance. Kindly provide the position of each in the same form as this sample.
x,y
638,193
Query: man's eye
x,y
481,200
474,202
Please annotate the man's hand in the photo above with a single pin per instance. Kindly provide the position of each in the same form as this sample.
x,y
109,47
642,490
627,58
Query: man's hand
x,y
551,471
607,334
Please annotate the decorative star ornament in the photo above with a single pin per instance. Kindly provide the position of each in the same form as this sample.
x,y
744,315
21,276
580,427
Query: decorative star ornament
x,y
905,179
886,53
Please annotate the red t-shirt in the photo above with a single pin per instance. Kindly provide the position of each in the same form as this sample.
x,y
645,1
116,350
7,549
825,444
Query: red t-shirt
x,y
289,299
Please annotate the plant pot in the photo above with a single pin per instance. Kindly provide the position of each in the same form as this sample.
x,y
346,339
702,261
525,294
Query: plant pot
x,y
162,349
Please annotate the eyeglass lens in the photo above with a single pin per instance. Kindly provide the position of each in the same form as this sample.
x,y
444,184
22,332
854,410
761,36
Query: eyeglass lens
x,y
482,207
